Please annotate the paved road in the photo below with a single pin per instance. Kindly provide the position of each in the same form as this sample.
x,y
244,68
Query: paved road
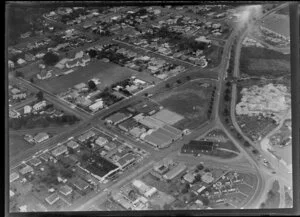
x,y
261,172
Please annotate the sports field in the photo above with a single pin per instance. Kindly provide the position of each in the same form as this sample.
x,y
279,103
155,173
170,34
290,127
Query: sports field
x,y
108,73
190,100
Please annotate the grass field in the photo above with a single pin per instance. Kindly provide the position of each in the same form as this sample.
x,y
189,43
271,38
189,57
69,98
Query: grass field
x,y
263,62
189,100
108,73
278,23
265,65
17,145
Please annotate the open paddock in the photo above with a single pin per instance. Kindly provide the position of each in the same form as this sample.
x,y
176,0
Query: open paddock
x,y
189,100
108,73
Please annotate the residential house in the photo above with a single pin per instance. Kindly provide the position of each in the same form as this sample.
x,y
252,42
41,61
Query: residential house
x,y
40,105
40,137
14,114
26,169
96,106
86,136
19,96
25,35
44,74
29,57
35,161
20,61
65,190
72,144
101,141
83,101
13,177
59,150
27,109
11,64
51,199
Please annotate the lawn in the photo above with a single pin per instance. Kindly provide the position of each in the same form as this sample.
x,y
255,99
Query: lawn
x,y
108,73
17,145
189,100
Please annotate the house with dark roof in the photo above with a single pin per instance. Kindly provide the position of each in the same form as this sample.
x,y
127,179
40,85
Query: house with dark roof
x,y
197,147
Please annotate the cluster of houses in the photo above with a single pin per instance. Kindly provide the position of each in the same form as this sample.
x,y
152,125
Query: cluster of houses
x,y
135,196
166,49
38,138
28,54
15,94
249,42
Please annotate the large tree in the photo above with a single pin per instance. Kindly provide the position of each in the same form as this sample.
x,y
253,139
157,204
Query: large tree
x,y
50,59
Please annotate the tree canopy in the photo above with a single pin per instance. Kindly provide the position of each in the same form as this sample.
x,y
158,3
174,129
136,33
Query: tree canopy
x,y
50,59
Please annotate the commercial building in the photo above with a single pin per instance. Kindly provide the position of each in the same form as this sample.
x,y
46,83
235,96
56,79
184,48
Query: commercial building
x,y
167,116
40,137
117,118
197,147
162,137
126,160
128,124
175,171
144,189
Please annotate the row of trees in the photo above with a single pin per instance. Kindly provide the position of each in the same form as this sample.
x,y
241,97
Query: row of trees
x,y
32,121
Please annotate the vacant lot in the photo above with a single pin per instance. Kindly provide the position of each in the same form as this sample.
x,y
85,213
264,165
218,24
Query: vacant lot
x,y
190,100
17,145
108,73
257,61
265,65
255,127
273,197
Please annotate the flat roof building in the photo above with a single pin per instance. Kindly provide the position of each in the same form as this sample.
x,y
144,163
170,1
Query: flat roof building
x,y
13,177
65,190
175,171
51,199
117,118
40,137
26,169
72,144
60,150
86,136
195,147
35,161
